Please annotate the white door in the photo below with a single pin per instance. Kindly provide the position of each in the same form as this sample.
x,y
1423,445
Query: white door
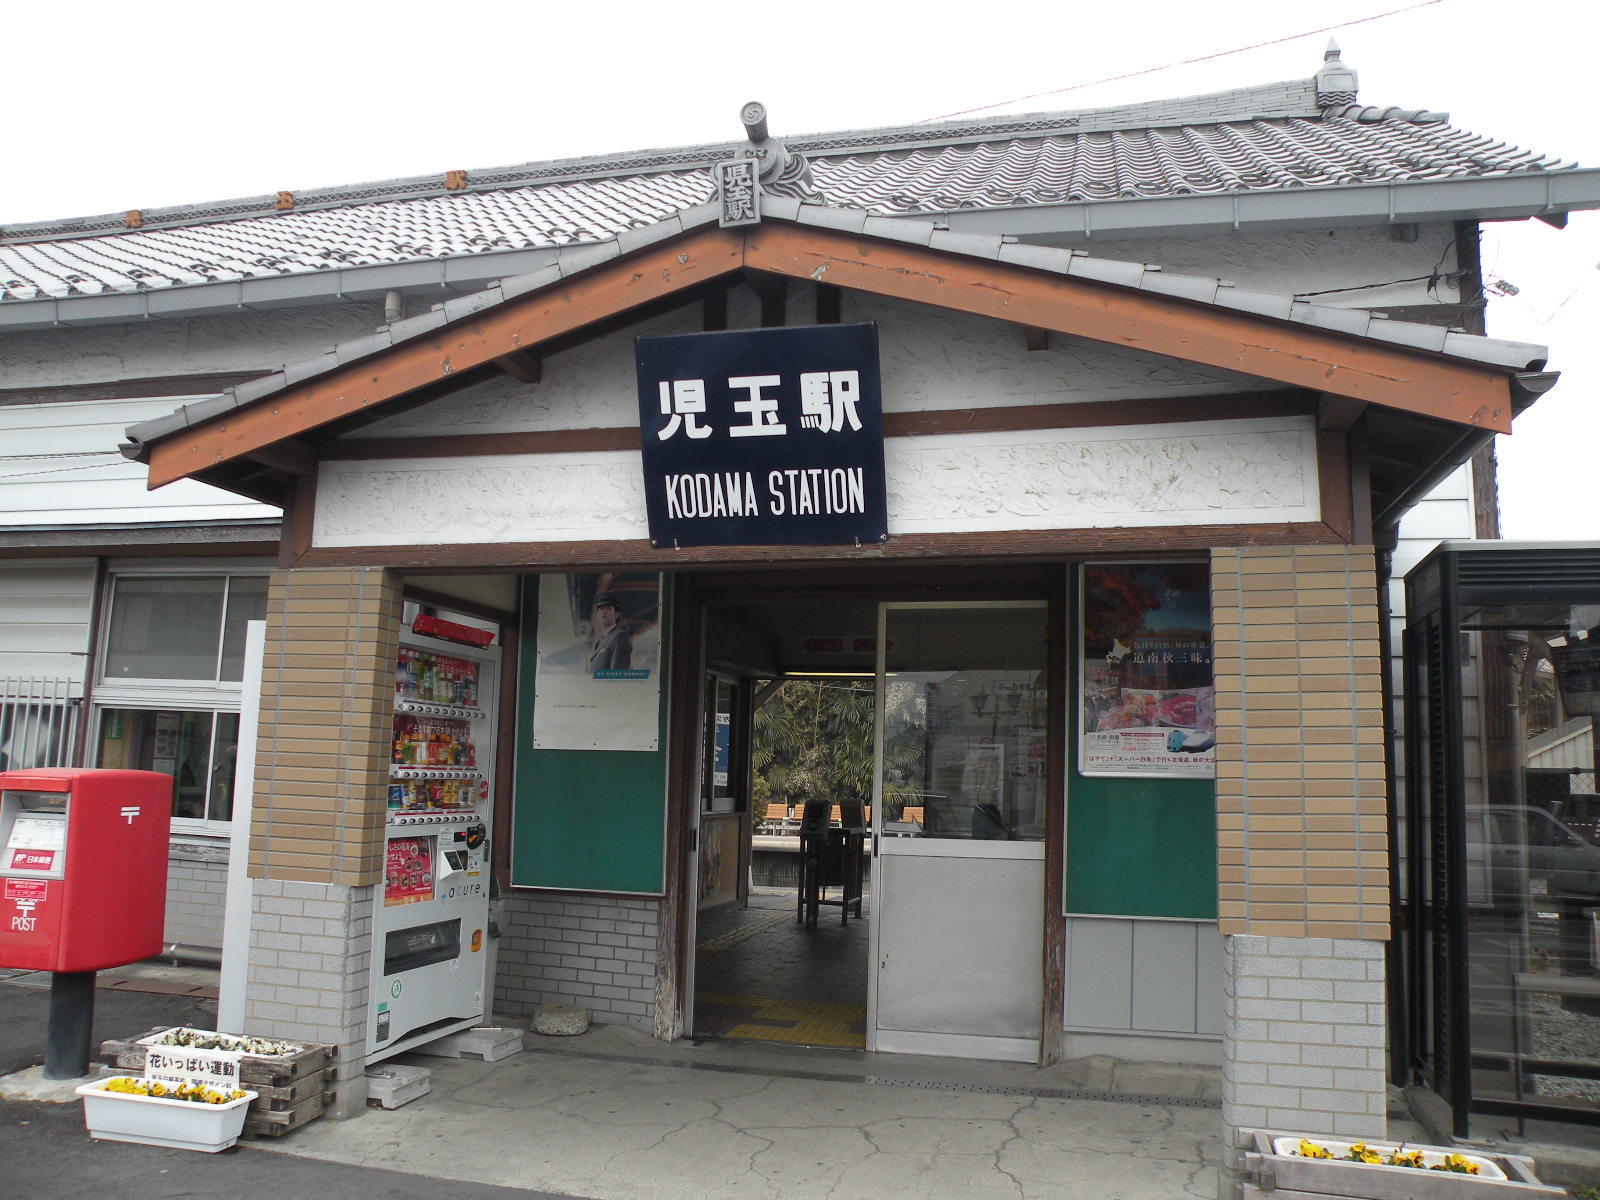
x,y
958,821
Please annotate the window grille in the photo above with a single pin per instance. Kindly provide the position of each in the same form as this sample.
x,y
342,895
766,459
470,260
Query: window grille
x,y
38,723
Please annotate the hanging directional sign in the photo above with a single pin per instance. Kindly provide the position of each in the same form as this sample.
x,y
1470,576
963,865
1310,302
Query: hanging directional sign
x,y
763,437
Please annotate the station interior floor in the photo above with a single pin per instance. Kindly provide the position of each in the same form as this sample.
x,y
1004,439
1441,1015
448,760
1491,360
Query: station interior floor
x,y
762,976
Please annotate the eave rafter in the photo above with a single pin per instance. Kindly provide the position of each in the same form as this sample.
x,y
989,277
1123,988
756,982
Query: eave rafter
x,y
514,335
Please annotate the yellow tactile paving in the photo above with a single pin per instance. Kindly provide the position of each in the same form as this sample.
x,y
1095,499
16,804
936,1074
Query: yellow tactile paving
x,y
816,1023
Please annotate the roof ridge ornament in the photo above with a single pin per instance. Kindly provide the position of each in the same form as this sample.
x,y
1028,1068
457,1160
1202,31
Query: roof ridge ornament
x,y
1336,83
765,165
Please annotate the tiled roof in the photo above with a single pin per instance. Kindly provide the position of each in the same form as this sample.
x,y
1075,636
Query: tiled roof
x,y
1268,139
1496,352
384,231
1258,155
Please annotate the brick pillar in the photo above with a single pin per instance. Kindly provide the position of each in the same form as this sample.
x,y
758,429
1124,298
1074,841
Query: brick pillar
x,y
316,834
1302,838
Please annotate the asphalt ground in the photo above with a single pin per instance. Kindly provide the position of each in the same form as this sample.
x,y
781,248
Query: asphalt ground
x,y
119,1012
46,1154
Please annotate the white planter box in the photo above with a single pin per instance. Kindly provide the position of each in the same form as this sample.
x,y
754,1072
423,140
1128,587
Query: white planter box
x,y
1431,1155
156,1121
1271,1165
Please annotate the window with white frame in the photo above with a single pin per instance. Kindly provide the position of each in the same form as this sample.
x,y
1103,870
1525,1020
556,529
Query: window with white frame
x,y
169,684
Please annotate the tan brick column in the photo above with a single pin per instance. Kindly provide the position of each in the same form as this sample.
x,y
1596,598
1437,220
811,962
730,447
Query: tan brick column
x,y
326,723
1302,867
317,821
1301,790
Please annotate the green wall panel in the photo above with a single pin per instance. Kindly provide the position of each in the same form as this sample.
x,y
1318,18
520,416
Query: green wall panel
x,y
585,820
1136,847
1141,847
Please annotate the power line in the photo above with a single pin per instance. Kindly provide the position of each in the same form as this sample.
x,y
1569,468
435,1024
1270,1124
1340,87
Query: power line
x,y
1186,62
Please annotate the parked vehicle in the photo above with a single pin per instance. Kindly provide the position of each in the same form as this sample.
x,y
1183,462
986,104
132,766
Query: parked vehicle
x,y
1514,852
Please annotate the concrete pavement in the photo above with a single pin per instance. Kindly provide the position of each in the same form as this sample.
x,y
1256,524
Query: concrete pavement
x,y
617,1116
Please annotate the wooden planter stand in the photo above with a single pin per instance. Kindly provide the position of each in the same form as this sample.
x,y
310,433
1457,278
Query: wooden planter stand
x,y
291,1089
1268,1175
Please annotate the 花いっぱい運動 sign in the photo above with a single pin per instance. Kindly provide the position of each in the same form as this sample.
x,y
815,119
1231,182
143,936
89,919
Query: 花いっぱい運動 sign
x,y
763,437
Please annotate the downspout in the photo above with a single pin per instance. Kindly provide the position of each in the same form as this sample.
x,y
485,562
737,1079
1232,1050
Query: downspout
x,y
1474,319
1395,991
81,755
186,954
394,307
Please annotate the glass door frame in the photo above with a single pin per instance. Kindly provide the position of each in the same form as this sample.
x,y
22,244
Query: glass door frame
x,y
1047,851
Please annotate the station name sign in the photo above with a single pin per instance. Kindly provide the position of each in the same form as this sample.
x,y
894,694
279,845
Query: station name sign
x,y
763,437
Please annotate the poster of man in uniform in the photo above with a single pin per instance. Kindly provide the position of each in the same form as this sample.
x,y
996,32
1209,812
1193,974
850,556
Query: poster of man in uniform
x,y
597,685
1149,702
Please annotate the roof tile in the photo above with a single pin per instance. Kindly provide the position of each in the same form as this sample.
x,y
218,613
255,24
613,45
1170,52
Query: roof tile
x,y
1046,258
848,220
465,306
1185,287
298,372
347,352
421,323
1409,333
1263,304
1106,270
965,243
520,285
918,233
1338,320
1270,138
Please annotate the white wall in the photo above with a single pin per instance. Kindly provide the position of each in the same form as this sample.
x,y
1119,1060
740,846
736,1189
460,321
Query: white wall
x,y
45,609
1297,262
246,341
61,466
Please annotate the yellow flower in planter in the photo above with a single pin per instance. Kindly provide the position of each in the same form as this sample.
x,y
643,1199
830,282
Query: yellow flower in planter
x,y
193,1092
1360,1153
1458,1164
1312,1150
1407,1158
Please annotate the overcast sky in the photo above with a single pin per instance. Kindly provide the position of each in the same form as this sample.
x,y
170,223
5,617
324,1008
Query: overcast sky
x,y
116,106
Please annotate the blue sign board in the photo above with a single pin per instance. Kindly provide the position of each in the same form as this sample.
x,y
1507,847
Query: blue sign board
x,y
763,437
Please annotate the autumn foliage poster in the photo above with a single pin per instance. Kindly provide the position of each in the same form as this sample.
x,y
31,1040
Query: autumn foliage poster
x,y
1149,704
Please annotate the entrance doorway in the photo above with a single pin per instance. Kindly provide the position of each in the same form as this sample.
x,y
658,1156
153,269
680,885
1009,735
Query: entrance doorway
x,y
780,953
887,762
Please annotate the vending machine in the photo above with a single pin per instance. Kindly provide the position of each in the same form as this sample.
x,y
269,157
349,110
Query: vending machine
x,y
430,953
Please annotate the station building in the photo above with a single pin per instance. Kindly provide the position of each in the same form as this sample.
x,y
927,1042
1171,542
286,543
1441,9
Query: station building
x,y
1030,422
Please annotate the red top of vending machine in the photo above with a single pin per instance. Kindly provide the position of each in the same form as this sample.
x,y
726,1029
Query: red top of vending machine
x,y
83,867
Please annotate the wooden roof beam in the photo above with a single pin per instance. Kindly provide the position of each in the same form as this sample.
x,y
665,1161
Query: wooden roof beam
x,y
1338,414
611,294
1290,353
522,365
291,456
520,324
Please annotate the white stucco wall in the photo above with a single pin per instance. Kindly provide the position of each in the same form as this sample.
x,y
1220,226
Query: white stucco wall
x,y
1245,472
1297,262
255,340
61,467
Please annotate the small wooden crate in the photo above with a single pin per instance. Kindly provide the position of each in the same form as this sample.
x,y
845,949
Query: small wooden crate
x,y
1268,1175
291,1089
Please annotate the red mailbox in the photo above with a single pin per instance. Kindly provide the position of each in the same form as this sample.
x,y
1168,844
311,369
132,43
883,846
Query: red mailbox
x,y
83,867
